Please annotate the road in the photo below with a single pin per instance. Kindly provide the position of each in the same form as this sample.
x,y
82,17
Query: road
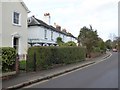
x,y
101,75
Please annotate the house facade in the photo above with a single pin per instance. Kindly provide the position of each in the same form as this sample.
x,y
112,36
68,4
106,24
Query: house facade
x,y
43,34
14,31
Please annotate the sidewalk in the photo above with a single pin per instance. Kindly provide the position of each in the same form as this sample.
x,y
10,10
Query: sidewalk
x,y
24,78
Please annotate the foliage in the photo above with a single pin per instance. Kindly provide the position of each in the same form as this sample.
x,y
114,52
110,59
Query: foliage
x,y
49,56
70,43
116,43
22,65
8,59
108,44
88,38
101,45
59,41
96,49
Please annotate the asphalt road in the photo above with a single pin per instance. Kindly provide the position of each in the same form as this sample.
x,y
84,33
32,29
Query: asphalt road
x,y
101,75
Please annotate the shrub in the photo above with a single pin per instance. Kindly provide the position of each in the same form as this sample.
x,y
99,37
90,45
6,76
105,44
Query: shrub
x,y
22,65
49,56
96,49
8,58
70,43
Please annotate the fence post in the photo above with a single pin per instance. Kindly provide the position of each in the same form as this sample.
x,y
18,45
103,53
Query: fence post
x,y
17,63
34,61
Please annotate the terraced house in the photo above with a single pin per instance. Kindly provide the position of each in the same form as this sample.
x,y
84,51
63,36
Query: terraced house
x,y
43,34
14,26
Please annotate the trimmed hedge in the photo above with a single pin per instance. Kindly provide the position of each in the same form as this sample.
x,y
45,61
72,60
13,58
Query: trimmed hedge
x,y
8,58
49,56
22,65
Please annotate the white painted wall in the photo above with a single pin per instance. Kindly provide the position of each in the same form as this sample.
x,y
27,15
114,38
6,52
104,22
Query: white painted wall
x,y
55,35
37,32
8,29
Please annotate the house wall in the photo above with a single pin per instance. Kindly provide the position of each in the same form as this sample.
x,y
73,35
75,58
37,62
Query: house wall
x,y
48,34
8,29
37,32
55,35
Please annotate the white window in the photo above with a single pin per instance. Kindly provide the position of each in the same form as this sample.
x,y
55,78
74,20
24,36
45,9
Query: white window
x,y
16,18
59,35
45,35
63,37
52,35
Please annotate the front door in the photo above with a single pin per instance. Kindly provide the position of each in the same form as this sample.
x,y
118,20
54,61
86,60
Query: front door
x,y
16,43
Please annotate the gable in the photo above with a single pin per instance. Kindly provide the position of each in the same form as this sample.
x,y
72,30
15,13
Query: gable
x,y
23,4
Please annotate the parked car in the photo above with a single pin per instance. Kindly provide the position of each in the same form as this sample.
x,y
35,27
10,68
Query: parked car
x,y
114,50
36,45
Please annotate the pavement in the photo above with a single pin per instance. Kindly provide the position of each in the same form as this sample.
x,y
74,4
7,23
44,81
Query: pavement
x,y
28,78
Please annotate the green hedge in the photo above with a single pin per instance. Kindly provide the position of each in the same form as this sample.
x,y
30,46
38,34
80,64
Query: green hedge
x,y
22,65
8,58
49,56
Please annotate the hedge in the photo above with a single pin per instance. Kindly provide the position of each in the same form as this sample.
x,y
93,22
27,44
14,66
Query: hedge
x,y
8,55
49,56
22,65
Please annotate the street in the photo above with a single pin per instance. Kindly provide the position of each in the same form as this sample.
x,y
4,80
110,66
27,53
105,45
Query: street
x,y
101,75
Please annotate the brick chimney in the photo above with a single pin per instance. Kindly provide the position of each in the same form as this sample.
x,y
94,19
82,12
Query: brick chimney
x,y
47,18
64,30
58,27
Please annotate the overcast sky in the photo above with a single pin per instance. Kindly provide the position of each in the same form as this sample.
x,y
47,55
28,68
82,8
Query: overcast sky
x,y
74,14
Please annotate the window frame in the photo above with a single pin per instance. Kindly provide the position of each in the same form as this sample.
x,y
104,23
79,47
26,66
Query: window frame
x,y
52,35
19,18
45,34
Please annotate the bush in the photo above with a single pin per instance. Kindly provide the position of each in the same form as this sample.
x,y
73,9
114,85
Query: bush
x,y
96,49
22,65
70,43
49,56
8,59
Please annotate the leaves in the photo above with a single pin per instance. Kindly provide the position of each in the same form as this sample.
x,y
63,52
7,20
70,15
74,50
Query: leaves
x,y
88,38
8,58
49,56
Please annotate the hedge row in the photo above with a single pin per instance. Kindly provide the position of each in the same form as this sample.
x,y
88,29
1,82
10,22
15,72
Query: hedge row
x,y
49,56
8,56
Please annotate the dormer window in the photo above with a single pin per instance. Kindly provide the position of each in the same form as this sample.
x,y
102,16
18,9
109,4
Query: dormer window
x,y
16,18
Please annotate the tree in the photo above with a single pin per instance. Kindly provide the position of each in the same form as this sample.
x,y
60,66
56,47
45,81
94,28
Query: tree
x,y
101,45
88,38
108,44
116,43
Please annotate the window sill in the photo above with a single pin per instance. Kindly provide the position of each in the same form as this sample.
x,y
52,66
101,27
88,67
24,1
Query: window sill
x,y
19,25
52,40
45,38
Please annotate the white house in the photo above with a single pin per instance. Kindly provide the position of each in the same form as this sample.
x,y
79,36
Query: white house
x,y
42,33
14,31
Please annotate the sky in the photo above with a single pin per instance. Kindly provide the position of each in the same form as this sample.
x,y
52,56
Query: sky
x,y
75,14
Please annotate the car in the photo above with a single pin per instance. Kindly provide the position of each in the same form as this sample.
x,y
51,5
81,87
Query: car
x,y
114,50
36,44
